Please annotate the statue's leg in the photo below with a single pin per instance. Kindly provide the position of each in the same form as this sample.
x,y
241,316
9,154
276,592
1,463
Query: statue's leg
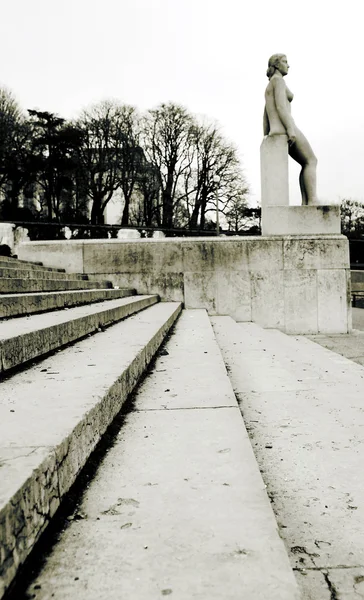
x,y
302,153
302,188
308,174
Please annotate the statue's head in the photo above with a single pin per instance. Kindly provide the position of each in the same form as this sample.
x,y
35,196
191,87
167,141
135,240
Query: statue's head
x,y
277,62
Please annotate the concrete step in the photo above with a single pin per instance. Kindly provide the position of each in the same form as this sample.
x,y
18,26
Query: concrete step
x,y
52,416
178,506
18,273
16,286
303,407
25,264
17,305
28,338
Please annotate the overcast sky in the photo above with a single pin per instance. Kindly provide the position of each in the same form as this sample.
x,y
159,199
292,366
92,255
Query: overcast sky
x,y
207,55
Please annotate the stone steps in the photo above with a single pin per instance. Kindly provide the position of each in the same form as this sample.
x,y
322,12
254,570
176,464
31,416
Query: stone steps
x,y
178,505
9,262
15,305
15,286
28,338
18,273
53,413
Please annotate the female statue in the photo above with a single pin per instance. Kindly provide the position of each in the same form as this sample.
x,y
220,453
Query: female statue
x,y
278,120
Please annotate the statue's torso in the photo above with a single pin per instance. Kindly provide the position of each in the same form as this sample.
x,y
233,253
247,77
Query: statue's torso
x,y
275,124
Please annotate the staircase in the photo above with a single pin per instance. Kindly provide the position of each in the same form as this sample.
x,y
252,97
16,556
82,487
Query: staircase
x,y
182,502
61,386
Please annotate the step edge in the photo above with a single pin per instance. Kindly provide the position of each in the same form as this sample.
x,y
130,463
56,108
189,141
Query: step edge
x,y
17,351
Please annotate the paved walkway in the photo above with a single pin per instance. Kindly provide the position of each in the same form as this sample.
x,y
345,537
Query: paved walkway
x,y
303,406
351,345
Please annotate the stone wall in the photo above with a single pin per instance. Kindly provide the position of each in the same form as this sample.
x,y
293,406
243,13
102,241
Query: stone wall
x,y
299,284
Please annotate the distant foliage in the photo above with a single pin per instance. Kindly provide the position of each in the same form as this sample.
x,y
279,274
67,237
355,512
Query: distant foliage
x,y
352,218
166,167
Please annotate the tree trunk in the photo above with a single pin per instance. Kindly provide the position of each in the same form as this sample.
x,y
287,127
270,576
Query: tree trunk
x,y
97,214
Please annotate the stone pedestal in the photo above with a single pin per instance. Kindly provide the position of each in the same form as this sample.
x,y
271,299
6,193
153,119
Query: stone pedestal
x,y
301,220
274,171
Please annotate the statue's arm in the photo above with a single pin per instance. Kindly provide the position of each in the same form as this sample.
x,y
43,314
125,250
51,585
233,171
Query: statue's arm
x,y
266,127
280,98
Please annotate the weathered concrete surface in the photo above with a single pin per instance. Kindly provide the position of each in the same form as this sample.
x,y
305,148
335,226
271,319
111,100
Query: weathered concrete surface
x,y
53,415
280,282
9,262
301,220
25,304
16,286
303,407
19,273
178,506
27,338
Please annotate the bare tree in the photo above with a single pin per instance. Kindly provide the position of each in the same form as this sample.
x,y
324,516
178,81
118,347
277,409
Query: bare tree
x,y
216,174
11,130
100,154
167,141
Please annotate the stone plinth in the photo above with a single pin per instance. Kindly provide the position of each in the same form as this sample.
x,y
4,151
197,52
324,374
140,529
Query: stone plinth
x,y
301,220
297,283
274,170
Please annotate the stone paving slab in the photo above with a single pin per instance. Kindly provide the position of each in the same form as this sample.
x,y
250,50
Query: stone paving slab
x,y
27,338
53,415
16,305
309,444
178,506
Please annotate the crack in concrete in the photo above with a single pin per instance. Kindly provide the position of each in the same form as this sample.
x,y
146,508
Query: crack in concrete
x,y
163,409
337,567
332,589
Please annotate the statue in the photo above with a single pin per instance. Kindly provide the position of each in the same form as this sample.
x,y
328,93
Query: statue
x,y
278,121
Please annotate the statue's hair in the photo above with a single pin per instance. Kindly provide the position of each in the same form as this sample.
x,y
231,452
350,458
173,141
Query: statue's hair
x,y
272,64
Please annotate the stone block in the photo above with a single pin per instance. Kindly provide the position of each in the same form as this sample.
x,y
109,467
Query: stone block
x,y
316,253
301,220
7,234
334,306
274,170
65,255
265,254
233,295
267,298
128,234
200,290
117,256
300,301
199,255
232,254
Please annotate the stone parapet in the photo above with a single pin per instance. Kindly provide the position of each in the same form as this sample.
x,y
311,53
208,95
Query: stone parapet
x,y
298,283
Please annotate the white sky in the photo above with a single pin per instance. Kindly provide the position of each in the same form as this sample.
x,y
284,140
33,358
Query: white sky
x,y
208,55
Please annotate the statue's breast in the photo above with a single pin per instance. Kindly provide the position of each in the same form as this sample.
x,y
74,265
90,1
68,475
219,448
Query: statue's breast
x,y
289,95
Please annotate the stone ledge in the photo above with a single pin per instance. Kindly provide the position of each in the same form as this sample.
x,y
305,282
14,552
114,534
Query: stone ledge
x,y
301,220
